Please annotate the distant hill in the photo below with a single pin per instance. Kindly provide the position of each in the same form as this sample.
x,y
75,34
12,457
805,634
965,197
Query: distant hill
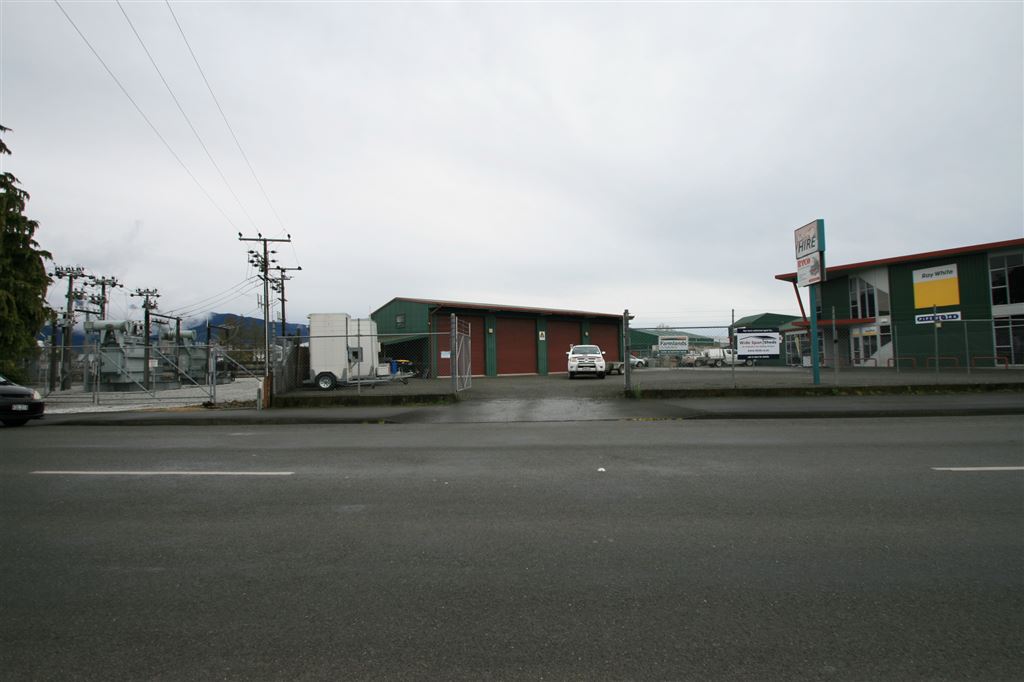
x,y
238,325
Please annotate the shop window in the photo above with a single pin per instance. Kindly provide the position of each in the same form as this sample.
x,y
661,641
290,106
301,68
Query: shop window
x,y
1006,274
1009,332
863,299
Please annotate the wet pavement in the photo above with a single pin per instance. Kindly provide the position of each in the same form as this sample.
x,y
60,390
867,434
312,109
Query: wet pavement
x,y
555,398
575,410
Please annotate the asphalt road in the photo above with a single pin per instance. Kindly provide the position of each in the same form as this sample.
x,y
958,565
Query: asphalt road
x,y
815,549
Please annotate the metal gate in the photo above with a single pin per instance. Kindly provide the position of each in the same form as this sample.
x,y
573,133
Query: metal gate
x,y
462,362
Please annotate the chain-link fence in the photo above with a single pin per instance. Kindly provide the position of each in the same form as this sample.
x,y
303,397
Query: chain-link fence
x,y
163,374
850,352
404,364
120,371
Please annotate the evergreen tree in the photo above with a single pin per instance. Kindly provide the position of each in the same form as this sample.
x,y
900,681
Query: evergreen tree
x,y
23,278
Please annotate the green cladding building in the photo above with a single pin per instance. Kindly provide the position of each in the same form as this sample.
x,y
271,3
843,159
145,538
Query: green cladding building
x,y
961,307
504,339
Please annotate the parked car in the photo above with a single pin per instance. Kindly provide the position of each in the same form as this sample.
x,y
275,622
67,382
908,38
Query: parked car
x,y
586,360
716,357
635,362
18,404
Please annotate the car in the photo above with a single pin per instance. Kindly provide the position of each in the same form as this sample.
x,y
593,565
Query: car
x,y
635,362
18,404
586,359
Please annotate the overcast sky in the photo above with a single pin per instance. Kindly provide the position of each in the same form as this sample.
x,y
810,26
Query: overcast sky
x,y
588,156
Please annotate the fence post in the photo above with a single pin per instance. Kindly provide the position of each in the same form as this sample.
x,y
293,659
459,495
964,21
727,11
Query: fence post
x,y
453,352
835,347
935,333
213,386
95,374
732,346
895,345
627,366
967,348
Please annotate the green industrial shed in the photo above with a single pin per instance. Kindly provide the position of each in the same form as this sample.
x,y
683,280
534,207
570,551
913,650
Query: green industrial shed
x,y
643,342
959,307
504,339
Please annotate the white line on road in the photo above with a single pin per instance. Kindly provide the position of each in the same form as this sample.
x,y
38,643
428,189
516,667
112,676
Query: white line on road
x,y
164,473
977,468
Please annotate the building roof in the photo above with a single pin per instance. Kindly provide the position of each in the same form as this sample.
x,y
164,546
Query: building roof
x,y
498,308
928,255
765,320
698,339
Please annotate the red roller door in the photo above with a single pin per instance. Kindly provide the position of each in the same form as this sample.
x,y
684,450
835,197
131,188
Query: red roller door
x,y
561,335
606,335
442,325
517,345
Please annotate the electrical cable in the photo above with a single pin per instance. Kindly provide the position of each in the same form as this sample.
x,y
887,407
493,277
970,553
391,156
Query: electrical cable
x,y
145,118
225,118
184,115
232,291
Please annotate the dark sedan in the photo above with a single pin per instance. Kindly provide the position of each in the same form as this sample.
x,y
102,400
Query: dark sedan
x,y
18,404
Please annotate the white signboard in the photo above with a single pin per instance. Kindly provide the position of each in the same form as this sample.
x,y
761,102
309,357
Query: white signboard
x,y
808,270
758,343
673,344
938,317
810,238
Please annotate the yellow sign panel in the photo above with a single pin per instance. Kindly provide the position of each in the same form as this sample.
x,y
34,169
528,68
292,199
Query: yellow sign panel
x,y
936,287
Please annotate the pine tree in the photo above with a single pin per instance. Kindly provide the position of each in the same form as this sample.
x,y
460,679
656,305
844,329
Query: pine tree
x,y
23,278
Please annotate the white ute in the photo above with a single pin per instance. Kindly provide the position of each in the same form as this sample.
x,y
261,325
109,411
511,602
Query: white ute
x,y
586,360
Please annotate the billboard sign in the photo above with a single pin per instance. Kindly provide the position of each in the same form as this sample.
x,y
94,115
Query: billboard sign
x,y
758,344
808,270
936,287
673,344
810,238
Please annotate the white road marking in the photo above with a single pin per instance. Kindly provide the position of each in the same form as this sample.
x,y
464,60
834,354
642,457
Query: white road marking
x,y
164,473
977,468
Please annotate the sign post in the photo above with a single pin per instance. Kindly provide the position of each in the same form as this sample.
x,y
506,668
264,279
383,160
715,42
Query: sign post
x,y
810,270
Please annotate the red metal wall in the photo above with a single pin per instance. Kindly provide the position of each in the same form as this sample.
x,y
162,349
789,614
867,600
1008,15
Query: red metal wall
x,y
606,336
561,335
517,345
442,325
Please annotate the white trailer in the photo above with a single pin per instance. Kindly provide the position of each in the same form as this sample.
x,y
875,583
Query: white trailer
x,y
344,351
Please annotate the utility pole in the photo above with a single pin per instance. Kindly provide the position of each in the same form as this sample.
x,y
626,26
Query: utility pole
x,y
72,272
148,304
101,300
262,261
279,287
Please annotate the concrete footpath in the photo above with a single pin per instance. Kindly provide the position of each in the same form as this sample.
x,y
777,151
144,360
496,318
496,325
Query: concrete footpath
x,y
571,409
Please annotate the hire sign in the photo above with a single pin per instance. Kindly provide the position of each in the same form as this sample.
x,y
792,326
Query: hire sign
x,y
810,253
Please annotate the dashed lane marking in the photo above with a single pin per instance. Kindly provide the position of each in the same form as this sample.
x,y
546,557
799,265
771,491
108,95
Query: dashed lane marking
x,y
163,473
977,468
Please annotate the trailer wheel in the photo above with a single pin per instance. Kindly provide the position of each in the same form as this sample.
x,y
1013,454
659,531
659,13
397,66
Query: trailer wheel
x,y
325,381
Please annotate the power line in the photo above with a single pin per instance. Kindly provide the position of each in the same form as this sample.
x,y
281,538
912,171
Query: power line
x,y
237,291
224,117
143,114
184,115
